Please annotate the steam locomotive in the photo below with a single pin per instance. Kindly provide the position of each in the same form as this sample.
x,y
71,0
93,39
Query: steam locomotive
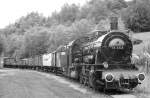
x,y
101,61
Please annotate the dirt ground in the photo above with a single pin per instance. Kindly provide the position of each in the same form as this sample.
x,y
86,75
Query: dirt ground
x,y
16,83
31,84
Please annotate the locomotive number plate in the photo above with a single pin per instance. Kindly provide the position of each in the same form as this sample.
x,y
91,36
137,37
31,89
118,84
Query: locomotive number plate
x,y
117,47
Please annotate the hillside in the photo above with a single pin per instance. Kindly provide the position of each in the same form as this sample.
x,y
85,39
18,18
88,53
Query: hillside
x,y
138,49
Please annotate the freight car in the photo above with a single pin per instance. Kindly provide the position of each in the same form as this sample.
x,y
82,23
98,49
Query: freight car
x,y
46,62
101,61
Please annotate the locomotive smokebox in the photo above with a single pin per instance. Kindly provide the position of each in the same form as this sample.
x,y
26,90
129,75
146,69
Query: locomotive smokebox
x,y
114,23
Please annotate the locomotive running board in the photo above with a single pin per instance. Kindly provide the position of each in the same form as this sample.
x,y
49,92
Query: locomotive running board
x,y
97,64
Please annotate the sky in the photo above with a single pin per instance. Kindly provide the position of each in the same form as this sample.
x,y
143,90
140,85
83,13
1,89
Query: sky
x,y
11,10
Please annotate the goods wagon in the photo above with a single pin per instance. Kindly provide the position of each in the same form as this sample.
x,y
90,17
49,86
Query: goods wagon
x,y
8,62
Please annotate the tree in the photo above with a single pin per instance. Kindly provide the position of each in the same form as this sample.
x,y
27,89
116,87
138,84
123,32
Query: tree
x,y
81,28
2,43
25,23
37,42
98,10
13,43
67,15
35,34
114,5
137,16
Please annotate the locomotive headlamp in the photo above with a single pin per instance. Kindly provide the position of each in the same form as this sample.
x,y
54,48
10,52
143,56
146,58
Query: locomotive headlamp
x,y
141,76
105,64
109,77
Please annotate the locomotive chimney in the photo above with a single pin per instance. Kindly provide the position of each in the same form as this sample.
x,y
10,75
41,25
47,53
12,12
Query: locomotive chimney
x,y
113,23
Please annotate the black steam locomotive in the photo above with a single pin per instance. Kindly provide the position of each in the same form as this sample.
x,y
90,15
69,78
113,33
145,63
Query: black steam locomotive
x,y
101,61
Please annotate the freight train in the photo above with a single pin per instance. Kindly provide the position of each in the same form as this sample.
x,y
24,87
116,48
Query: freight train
x,y
101,61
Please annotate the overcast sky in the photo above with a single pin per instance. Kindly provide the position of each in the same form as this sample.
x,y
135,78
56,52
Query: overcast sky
x,y
10,10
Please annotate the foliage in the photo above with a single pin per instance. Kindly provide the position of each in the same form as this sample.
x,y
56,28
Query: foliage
x,y
24,24
137,16
36,41
98,10
2,43
13,44
81,28
115,5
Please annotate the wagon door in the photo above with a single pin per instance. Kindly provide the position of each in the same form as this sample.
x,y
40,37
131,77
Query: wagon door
x,y
63,61
47,59
58,59
53,62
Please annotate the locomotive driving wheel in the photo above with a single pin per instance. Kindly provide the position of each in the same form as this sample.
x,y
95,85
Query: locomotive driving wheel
x,y
83,77
95,82
92,81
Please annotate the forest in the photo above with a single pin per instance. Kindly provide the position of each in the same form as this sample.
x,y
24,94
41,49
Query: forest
x,y
35,34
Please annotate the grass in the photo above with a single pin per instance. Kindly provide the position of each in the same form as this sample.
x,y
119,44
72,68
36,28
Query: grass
x,y
139,49
143,90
